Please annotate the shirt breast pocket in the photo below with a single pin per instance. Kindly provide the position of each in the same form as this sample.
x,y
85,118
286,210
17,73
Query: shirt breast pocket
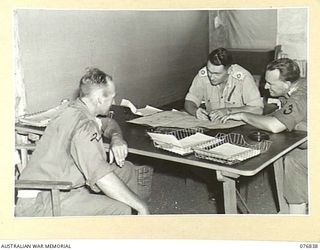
x,y
234,98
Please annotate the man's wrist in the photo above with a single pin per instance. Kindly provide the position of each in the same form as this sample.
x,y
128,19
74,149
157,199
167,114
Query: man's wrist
x,y
229,111
116,135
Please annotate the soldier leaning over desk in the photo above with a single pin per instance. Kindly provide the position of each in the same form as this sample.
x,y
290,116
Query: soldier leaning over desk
x,y
225,88
71,149
283,81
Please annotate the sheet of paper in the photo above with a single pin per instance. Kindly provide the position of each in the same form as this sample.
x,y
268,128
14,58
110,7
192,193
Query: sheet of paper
x,y
42,118
165,139
228,150
195,139
183,146
179,119
148,110
127,103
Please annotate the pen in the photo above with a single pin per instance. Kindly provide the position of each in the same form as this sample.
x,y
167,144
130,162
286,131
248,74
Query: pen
x,y
206,113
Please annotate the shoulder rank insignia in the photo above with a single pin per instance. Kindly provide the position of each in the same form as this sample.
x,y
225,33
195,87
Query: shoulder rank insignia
x,y
238,75
96,137
203,72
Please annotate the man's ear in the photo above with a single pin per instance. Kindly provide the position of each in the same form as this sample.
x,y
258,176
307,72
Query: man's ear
x,y
98,95
288,84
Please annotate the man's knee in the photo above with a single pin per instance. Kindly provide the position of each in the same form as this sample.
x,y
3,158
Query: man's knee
x,y
117,208
125,210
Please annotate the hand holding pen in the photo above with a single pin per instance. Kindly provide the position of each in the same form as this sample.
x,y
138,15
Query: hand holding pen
x,y
216,115
202,114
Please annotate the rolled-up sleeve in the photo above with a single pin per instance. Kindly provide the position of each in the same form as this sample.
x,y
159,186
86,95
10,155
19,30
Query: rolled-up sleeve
x,y
89,155
293,112
196,91
250,92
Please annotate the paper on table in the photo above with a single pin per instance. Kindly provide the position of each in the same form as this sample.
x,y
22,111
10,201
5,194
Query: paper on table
x,y
188,141
127,103
179,119
228,150
147,110
42,118
196,139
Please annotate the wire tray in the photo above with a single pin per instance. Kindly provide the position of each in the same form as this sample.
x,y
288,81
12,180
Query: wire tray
x,y
204,151
179,134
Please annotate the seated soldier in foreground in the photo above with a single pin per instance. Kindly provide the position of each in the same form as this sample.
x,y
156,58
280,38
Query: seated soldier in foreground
x,y
71,149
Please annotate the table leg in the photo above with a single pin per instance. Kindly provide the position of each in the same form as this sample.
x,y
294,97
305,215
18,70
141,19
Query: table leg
x,y
55,196
229,193
278,175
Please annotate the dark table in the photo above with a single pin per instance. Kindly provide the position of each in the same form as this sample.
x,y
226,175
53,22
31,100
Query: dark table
x,y
139,143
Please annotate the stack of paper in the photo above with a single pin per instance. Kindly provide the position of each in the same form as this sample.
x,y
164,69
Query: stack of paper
x,y
181,147
232,151
42,118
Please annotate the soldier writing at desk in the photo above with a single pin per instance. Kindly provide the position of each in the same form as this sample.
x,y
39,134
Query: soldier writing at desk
x,y
225,88
71,149
283,81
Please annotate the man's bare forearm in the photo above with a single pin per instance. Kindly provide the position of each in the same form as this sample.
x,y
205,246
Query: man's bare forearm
x,y
190,107
110,127
268,123
115,188
248,109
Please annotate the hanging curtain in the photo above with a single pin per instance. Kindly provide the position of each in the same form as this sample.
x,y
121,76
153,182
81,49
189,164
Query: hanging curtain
x,y
246,29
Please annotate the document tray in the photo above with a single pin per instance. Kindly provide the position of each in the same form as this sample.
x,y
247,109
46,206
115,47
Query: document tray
x,y
230,149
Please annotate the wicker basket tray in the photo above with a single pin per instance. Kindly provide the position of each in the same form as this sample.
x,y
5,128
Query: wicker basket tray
x,y
179,134
219,151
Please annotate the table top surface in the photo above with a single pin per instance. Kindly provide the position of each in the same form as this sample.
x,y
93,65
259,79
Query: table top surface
x,y
139,143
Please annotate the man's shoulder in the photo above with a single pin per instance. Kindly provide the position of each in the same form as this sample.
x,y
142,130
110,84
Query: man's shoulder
x,y
74,116
238,72
202,72
301,91
303,86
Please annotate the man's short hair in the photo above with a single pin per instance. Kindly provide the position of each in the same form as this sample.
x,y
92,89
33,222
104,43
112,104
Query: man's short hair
x,y
93,78
289,69
220,56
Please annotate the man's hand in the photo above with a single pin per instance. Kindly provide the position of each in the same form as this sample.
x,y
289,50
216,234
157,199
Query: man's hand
x,y
217,114
118,150
236,116
201,114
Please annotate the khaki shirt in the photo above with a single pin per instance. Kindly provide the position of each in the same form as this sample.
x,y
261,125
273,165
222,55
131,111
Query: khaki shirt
x,y
71,149
293,112
240,90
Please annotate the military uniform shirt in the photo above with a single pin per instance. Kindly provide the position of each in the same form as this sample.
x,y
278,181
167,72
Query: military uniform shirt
x,y
240,90
293,112
71,149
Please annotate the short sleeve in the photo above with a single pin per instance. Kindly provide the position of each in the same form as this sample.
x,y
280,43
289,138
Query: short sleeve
x,y
251,93
89,155
293,112
196,91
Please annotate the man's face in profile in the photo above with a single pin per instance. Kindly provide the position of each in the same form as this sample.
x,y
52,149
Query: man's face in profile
x,y
276,86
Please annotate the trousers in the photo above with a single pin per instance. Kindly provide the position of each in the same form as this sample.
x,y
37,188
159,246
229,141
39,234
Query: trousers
x,y
296,176
80,201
